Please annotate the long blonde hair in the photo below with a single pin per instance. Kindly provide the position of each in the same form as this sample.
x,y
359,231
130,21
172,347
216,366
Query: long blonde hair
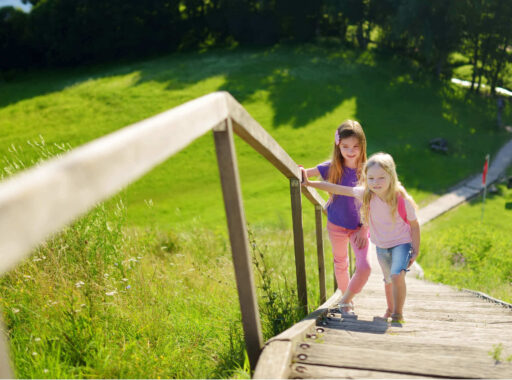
x,y
349,128
386,162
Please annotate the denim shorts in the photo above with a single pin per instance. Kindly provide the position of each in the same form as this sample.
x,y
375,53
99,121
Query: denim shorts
x,y
394,260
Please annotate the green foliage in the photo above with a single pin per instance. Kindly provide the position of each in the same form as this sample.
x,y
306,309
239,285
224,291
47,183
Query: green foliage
x,y
63,33
460,250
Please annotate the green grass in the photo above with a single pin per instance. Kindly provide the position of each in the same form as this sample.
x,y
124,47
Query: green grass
x,y
298,94
460,249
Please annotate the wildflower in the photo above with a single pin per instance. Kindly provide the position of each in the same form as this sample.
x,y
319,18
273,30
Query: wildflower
x,y
132,259
45,370
113,292
37,339
27,276
79,284
14,310
34,353
128,287
124,280
105,275
139,257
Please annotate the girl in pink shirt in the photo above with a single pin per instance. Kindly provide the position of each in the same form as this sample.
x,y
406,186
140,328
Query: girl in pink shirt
x,y
394,229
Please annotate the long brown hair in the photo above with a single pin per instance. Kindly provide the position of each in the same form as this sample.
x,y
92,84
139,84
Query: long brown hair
x,y
349,128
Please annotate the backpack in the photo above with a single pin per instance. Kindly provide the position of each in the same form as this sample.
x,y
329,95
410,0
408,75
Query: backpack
x,y
401,209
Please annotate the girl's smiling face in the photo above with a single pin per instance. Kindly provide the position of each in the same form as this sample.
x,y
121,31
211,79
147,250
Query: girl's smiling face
x,y
378,180
350,149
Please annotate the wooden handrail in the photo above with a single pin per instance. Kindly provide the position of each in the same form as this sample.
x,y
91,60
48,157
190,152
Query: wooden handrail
x,y
63,188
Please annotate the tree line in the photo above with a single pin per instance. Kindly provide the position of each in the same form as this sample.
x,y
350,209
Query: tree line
x,y
78,32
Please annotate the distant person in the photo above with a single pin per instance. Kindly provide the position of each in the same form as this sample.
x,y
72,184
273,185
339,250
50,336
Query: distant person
x,y
394,229
343,221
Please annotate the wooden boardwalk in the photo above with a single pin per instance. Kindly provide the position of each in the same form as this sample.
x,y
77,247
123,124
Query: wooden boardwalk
x,y
447,333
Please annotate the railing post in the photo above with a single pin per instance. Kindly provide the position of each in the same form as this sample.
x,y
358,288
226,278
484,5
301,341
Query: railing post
x,y
235,215
320,253
5,365
298,240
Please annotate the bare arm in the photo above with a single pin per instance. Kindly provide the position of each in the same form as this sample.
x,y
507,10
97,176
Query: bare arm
x,y
313,172
415,235
327,186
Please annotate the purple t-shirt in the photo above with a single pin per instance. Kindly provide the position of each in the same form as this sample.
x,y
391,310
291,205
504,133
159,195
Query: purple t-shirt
x,y
343,211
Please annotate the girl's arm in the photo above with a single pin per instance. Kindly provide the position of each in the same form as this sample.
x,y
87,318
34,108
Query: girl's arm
x,y
313,172
415,235
327,186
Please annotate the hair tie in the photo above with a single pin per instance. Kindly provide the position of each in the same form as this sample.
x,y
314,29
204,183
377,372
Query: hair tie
x,y
336,137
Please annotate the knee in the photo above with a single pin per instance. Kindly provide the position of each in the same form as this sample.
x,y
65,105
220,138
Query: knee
x,y
398,277
364,271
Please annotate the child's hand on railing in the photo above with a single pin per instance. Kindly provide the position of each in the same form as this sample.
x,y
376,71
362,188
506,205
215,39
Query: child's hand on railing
x,y
304,180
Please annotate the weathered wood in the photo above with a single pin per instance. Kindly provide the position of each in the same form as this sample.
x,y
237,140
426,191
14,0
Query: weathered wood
x,y
275,357
374,358
5,365
298,241
228,170
394,337
320,253
311,371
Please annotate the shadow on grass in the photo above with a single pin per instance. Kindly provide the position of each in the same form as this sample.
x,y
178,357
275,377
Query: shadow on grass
x,y
400,108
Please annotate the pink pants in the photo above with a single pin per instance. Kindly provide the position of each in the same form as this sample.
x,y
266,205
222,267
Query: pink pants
x,y
339,238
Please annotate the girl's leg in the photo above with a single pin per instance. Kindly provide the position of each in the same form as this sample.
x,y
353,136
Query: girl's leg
x,y
339,242
388,289
363,269
384,257
399,292
400,259
362,273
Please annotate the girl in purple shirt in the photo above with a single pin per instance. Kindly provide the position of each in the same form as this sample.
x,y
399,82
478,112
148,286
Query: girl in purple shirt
x,y
343,222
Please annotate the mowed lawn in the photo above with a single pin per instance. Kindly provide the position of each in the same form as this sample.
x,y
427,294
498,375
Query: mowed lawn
x,y
298,94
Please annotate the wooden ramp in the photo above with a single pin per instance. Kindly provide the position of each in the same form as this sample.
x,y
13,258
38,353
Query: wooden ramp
x,y
447,334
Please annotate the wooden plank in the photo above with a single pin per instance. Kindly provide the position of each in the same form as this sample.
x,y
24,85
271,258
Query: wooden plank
x,y
372,358
5,365
379,325
320,253
228,170
348,338
298,243
398,344
41,200
274,362
311,371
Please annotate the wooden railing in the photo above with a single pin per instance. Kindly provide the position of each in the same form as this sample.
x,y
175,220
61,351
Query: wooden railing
x,y
42,200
